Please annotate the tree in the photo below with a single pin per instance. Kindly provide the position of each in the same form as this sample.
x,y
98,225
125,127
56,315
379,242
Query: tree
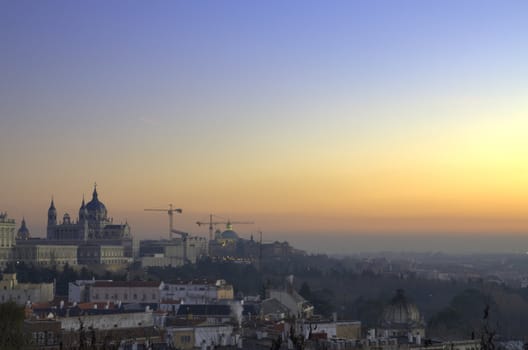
x,y
488,334
11,326
305,291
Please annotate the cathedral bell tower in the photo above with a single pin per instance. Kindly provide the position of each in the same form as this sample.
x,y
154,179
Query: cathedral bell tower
x,y
52,221
83,222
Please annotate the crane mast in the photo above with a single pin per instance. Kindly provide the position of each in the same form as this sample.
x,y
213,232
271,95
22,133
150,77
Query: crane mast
x,y
170,211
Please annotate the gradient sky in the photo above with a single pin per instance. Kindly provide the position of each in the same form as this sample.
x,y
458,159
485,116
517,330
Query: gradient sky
x,y
308,117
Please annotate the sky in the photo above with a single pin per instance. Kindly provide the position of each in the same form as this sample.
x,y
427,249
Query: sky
x,y
311,118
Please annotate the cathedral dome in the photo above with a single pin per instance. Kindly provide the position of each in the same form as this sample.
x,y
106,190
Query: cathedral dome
x,y
401,312
95,206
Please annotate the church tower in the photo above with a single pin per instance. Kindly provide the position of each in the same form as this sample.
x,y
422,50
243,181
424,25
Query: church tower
x,y
83,222
52,220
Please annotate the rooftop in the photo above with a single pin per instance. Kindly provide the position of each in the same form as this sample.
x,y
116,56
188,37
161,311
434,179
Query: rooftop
x,y
127,284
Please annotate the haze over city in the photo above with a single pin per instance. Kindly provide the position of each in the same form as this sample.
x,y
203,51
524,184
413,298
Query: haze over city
x,y
383,125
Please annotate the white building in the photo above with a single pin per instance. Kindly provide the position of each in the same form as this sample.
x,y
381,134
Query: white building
x,y
125,291
108,321
79,291
22,293
172,252
202,336
198,291
293,301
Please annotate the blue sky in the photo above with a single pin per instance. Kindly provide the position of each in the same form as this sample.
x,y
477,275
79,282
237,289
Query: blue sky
x,y
254,103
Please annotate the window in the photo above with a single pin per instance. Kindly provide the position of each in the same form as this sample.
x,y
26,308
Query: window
x,y
153,296
185,339
125,296
135,296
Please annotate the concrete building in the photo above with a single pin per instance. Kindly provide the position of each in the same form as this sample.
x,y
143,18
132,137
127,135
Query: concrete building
x,y
201,336
164,253
22,293
79,291
198,291
103,325
7,238
145,292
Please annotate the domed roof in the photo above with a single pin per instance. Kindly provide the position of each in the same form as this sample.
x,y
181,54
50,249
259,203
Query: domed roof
x,y
23,231
401,312
229,234
95,204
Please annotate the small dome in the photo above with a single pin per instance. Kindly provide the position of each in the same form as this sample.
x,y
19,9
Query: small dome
x,y
23,232
401,312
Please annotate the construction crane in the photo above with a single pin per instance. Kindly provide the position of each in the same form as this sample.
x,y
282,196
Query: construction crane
x,y
169,211
228,223
182,234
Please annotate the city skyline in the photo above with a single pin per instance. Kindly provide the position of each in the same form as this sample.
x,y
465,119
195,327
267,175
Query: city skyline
x,y
342,118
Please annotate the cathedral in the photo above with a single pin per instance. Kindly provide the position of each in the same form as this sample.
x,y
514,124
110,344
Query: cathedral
x,y
93,223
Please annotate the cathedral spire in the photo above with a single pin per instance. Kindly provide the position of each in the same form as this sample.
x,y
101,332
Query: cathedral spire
x,y
52,204
94,195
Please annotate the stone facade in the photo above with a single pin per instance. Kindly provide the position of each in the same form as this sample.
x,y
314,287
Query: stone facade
x,y
7,238
42,252
91,254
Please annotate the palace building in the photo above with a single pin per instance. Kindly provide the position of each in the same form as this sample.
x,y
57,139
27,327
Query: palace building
x,y
7,238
